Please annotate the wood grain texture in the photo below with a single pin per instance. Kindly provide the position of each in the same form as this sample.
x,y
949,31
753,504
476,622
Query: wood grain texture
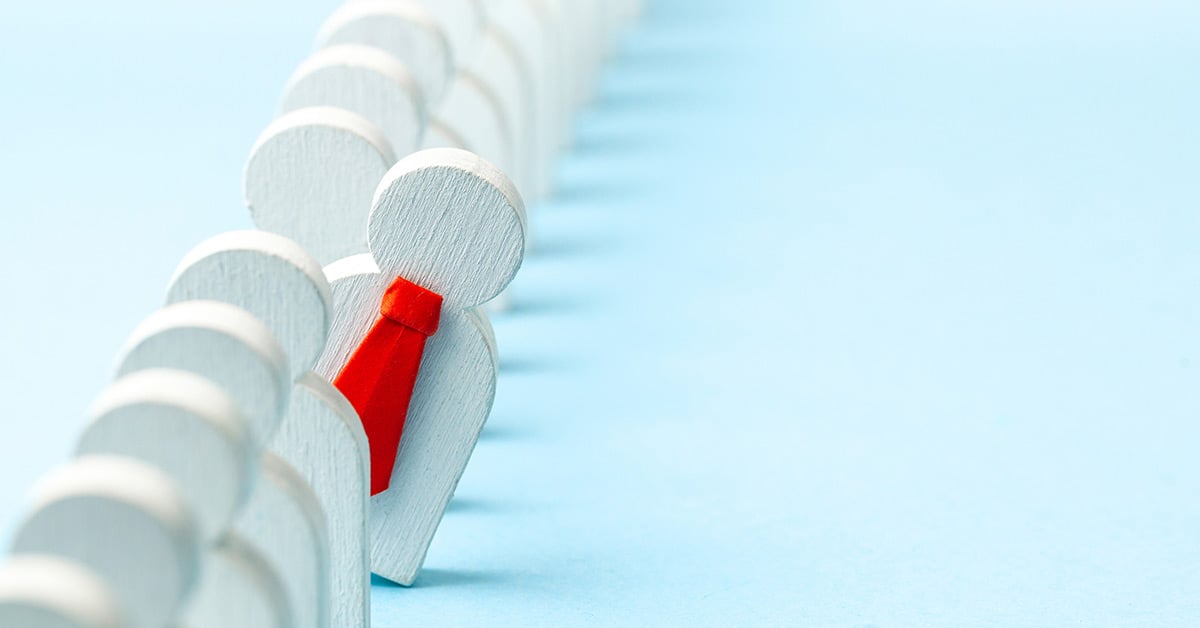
x,y
562,69
500,64
42,591
479,315
185,426
529,25
367,81
461,20
473,113
311,177
405,30
224,344
438,135
584,17
502,70
450,405
479,99
451,222
237,589
126,522
453,395
269,276
320,436
283,521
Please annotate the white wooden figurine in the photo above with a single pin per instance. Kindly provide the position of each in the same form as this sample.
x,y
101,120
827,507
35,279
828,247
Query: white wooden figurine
x,y
224,344
461,20
187,427
311,176
43,591
467,106
367,81
453,224
238,589
405,30
126,522
282,519
320,436
302,410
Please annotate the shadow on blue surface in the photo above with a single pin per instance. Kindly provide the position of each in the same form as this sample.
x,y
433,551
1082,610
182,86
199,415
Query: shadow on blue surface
x,y
504,433
446,578
535,306
476,506
531,364
572,191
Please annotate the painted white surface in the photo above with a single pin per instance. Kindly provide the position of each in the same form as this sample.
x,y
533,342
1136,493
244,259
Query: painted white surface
x,y
43,591
500,64
125,521
269,276
220,342
320,436
473,113
531,28
311,177
323,439
367,81
462,20
185,426
450,222
284,522
404,29
237,589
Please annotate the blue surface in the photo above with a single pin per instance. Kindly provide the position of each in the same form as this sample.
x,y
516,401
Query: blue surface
x,y
848,313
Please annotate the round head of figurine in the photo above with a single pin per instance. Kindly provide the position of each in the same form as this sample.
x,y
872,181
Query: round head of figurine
x,y
311,176
124,520
185,426
450,222
269,276
367,81
405,30
462,20
223,343
44,591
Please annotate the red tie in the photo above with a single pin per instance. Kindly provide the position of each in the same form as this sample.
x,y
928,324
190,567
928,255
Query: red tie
x,y
378,379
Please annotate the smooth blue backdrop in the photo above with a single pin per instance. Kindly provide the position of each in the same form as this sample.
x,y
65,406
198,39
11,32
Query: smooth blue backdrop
x,y
848,313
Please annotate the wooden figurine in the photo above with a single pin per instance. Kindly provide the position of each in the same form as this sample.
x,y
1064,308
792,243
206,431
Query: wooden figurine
x,y
269,277
531,27
282,518
283,521
187,427
474,119
446,228
127,523
405,30
467,106
321,436
238,589
311,177
43,591
224,344
296,418
499,64
462,20
367,81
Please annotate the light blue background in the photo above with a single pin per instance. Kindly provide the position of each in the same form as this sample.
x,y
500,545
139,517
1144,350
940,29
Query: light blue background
x,y
849,313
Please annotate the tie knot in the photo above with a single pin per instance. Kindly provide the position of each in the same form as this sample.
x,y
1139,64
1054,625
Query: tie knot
x,y
412,306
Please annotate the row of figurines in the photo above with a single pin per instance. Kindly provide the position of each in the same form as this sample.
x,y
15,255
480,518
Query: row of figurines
x,y
299,413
